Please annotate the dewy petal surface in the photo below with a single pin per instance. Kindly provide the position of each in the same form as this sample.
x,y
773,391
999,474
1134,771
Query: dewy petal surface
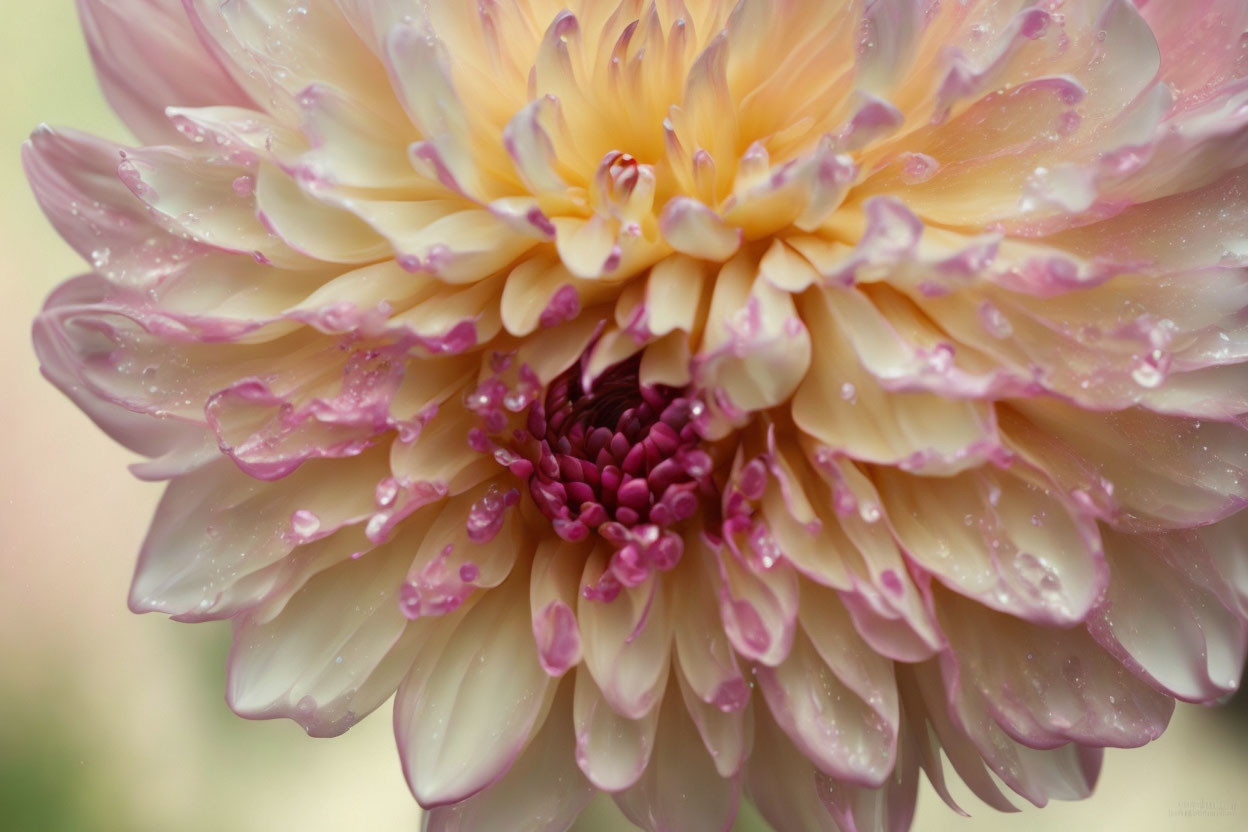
x,y
708,402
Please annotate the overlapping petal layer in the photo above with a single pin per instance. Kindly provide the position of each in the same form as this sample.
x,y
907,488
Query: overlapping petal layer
x,y
694,400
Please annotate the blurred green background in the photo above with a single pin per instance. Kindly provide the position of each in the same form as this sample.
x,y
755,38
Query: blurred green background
x,y
110,721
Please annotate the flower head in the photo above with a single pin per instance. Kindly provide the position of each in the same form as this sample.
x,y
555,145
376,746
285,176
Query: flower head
x,y
693,400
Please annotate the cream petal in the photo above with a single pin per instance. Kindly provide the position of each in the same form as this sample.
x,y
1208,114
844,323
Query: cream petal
x,y
756,348
336,651
781,781
847,408
358,399
1168,615
268,433
65,351
681,788
311,227
694,229
983,157
242,135
888,30
456,246
1141,470
355,146
758,606
205,536
1006,540
74,179
472,545
667,361
889,610
191,196
551,351
613,347
527,138
794,796
843,735
708,665
543,792
626,641
1120,66
800,193
786,269
827,624
906,352
453,318
612,750
1201,228
420,72
189,453
1218,393
932,721
472,700
148,57
674,291
1227,545
542,292
1119,342
800,514
274,71
1047,686
442,457
1067,772
1192,149
707,117
726,733
587,247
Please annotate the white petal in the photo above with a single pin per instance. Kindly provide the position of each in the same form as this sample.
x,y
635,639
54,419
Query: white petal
x,y
543,792
472,700
611,749
681,788
336,651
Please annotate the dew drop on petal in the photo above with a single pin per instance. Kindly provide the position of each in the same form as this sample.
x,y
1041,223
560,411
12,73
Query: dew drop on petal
x,y
304,523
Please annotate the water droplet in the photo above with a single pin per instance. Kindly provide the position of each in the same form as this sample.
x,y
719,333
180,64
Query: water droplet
x,y
994,321
304,524
244,186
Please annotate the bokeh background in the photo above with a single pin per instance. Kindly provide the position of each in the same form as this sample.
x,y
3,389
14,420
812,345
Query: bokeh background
x,y
111,721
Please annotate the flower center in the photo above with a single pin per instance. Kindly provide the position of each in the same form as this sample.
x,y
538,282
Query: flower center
x,y
619,454
621,458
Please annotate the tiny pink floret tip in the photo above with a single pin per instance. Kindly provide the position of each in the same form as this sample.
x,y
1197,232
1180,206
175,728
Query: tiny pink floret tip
x,y
696,403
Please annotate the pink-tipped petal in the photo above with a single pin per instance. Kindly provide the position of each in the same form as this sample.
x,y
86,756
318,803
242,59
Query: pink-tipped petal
x,y
626,641
148,57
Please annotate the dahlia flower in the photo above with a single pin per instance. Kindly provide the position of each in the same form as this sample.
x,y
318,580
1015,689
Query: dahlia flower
x,y
700,401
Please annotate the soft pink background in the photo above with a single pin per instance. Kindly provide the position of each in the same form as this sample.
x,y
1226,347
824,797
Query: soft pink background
x,y
110,721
